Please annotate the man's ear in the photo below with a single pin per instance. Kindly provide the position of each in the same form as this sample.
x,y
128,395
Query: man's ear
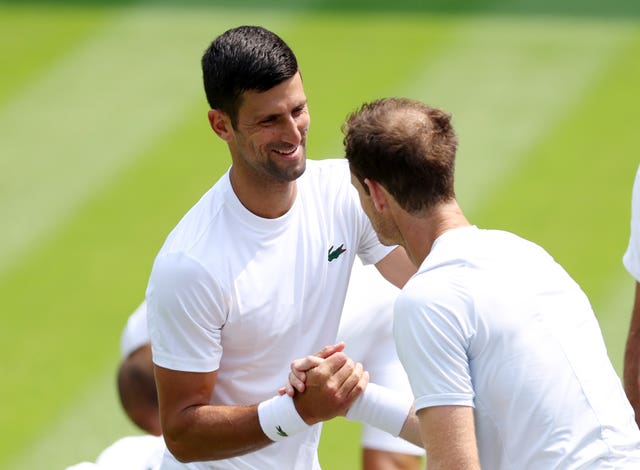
x,y
221,124
377,193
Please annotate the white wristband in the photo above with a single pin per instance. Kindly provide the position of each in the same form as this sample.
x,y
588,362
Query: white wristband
x,y
279,418
381,407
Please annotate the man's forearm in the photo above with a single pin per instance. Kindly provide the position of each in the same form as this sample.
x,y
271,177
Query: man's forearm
x,y
207,432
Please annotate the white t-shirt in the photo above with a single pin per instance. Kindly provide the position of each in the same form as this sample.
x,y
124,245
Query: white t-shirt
x,y
631,257
128,453
135,333
243,295
133,453
491,321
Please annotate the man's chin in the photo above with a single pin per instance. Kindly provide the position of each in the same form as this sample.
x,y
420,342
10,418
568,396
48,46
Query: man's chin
x,y
297,171
291,173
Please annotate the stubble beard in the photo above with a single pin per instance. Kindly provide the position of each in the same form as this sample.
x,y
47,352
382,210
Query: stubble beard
x,y
387,232
288,173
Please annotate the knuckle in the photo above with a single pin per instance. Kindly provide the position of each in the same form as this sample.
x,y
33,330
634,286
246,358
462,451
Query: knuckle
x,y
350,366
339,356
331,388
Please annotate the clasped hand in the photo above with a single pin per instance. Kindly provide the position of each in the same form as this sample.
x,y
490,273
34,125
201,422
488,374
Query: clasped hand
x,y
324,385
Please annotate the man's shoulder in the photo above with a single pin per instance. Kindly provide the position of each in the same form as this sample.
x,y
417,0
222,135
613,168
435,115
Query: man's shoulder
x,y
328,176
329,167
199,219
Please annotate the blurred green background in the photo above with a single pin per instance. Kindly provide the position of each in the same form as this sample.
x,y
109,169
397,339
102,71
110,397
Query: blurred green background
x,y
104,144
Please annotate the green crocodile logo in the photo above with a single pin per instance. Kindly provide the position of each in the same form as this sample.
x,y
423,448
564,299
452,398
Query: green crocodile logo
x,y
281,432
333,254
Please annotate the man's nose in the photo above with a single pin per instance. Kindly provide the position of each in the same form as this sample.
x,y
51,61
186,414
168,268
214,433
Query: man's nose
x,y
292,131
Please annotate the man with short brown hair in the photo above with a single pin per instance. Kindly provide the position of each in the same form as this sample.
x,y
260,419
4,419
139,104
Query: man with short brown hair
x,y
504,354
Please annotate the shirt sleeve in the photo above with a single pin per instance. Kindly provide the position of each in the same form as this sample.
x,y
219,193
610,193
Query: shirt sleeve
x,y
631,258
185,315
433,332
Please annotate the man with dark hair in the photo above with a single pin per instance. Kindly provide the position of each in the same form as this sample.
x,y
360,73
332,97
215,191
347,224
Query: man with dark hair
x,y
504,354
242,59
255,275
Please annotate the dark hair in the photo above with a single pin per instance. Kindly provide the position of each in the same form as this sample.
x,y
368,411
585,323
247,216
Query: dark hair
x,y
241,59
406,146
137,389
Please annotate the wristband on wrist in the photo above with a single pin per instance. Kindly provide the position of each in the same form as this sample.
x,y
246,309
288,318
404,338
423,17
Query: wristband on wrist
x,y
279,418
381,407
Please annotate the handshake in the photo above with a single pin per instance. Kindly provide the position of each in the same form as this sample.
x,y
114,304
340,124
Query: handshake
x,y
329,384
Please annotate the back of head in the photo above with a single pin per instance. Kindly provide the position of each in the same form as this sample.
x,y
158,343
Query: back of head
x,y
241,59
406,146
137,390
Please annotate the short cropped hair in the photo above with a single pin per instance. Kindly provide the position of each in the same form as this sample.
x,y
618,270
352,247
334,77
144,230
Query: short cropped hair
x,y
241,59
137,389
406,146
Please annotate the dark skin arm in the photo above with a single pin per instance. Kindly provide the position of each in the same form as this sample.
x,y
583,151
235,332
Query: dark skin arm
x,y
632,358
194,430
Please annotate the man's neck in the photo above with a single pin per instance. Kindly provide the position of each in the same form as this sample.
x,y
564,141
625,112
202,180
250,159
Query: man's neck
x,y
267,199
420,232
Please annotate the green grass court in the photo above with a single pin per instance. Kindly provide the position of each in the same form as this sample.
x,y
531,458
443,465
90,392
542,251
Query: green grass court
x,y
104,144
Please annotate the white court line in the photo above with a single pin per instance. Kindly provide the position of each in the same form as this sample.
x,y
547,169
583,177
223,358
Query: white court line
x,y
508,81
67,134
496,131
503,103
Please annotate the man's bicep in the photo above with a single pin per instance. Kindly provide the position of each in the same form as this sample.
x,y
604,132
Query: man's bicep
x,y
636,302
631,371
178,391
448,433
